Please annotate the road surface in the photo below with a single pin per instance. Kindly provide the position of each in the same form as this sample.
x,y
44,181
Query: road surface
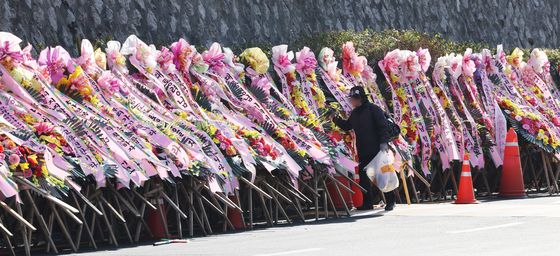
x,y
510,227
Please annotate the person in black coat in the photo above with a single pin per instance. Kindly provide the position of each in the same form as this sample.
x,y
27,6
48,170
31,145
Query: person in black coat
x,y
371,128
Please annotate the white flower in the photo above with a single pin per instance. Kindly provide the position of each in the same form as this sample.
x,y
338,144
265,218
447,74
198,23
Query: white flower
x,y
538,60
228,59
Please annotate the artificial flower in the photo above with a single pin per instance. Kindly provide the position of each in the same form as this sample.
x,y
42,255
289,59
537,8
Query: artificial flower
x,y
256,59
282,58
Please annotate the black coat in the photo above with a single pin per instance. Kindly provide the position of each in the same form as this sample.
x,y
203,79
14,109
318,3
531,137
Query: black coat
x,y
370,126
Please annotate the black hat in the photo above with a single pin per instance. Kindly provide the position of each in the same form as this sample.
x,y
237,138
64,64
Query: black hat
x,y
357,92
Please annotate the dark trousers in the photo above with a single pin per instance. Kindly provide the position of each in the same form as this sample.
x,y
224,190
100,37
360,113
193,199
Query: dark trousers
x,y
372,192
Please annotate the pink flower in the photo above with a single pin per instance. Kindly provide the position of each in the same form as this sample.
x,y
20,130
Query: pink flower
x,y
28,59
282,59
500,54
351,62
526,127
115,59
410,65
67,150
455,65
368,74
165,60
9,47
487,61
263,83
214,57
109,83
424,58
468,65
27,173
52,146
43,128
86,60
56,59
306,62
13,159
183,54
348,50
333,71
391,61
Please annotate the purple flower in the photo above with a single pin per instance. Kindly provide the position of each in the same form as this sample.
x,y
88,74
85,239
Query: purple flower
x,y
14,159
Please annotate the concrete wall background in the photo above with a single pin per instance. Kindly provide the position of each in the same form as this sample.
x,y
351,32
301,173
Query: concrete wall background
x,y
526,23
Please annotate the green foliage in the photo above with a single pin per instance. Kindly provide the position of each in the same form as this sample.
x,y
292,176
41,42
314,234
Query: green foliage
x,y
99,43
554,58
375,44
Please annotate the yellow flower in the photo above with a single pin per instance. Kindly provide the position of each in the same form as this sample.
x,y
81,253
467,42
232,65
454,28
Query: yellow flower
x,y
212,130
44,170
120,60
183,115
284,111
313,76
394,78
77,73
99,158
507,70
24,166
148,146
32,159
341,87
401,93
515,57
29,119
445,103
404,109
403,131
256,58
100,58
280,133
94,100
50,139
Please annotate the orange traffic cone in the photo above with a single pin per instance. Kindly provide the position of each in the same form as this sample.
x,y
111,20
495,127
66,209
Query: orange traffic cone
x,y
357,197
466,193
511,183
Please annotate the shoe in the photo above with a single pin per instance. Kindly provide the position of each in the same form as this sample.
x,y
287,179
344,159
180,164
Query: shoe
x,y
364,208
390,207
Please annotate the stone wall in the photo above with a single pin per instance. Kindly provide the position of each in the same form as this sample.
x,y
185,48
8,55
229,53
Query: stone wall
x,y
244,22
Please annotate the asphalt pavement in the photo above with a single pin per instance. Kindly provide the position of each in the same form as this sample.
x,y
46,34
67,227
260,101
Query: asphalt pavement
x,y
499,227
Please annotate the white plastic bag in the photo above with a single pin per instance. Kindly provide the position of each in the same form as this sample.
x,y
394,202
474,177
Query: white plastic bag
x,y
382,170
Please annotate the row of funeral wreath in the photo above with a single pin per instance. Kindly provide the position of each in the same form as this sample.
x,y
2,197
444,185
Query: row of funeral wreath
x,y
131,112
